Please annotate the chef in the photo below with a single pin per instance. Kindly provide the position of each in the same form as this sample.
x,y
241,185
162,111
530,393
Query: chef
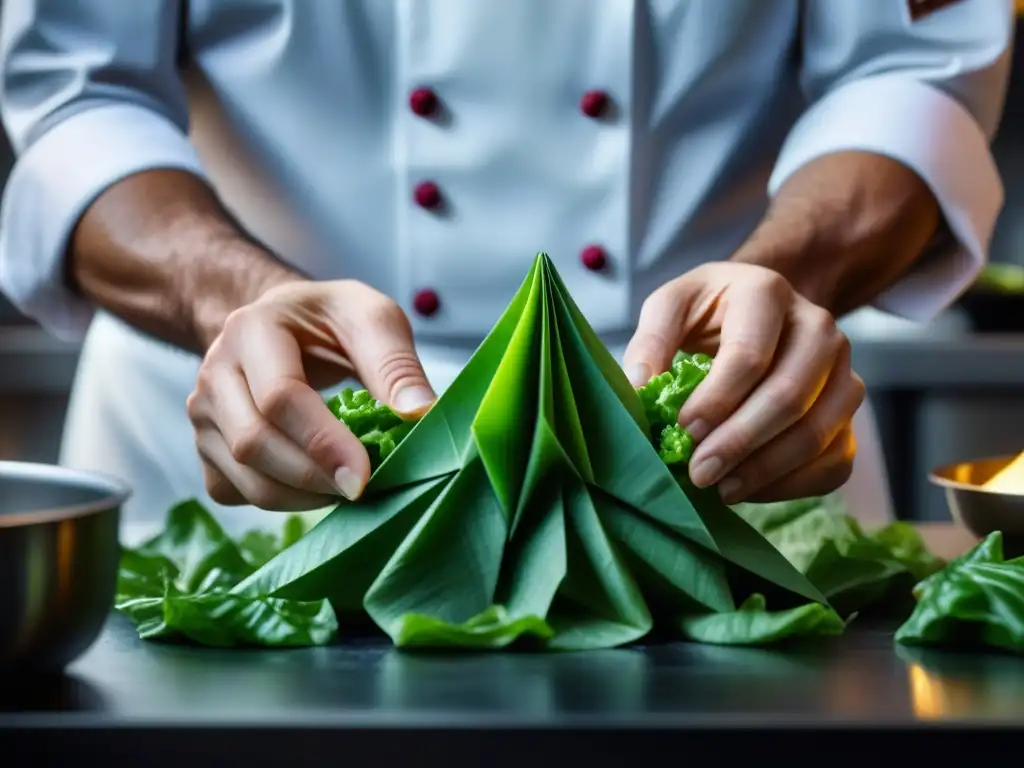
x,y
238,203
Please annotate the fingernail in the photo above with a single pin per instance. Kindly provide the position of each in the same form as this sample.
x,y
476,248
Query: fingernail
x,y
706,472
698,430
348,483
639,374
730,490
413,399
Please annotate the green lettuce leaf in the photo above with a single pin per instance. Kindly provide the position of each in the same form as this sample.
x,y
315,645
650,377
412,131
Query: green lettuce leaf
x,y
855,570
175,587
753,624
978,599
492,629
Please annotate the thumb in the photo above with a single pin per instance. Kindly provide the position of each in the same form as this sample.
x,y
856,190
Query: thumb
x,y
658,333
384,356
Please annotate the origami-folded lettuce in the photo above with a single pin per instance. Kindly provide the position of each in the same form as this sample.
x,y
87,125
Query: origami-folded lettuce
x,y
530,502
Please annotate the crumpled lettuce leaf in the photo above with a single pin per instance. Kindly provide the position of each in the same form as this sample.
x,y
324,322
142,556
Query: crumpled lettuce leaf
x,y
494,628
976,600
856,571
753,624
175,587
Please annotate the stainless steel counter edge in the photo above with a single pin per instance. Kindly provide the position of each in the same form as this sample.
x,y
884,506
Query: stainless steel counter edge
x,y
32,362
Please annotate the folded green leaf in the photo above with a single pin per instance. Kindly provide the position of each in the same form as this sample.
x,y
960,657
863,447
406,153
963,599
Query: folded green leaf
x,y
978,599
753,624
532,484
175,587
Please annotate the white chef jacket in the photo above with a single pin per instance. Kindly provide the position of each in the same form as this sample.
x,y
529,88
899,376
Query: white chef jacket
x,y
431,147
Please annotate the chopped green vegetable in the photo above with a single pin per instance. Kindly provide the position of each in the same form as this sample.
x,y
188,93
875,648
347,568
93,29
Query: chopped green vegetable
x,y
378,428
663,397
978,599
176,587
753,624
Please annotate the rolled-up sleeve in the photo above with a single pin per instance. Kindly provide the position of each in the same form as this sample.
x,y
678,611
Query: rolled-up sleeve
x,y
926,92
89,96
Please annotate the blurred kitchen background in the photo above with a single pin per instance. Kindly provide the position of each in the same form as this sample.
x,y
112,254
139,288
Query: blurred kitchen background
x,y
944,392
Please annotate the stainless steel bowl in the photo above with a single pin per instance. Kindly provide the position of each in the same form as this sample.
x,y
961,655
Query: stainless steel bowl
x,y
58,563
981,511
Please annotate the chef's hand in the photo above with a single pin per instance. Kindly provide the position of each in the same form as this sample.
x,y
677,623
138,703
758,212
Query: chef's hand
x,y
263,432
773,417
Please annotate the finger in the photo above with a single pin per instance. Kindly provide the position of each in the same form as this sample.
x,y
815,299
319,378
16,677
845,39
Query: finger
x,y
658,333
801,443
751,328
384,355
829,471
271,362
805,359
229,483
258,444
219,487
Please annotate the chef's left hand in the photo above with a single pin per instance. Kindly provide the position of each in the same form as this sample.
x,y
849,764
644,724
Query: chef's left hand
x,y
773,418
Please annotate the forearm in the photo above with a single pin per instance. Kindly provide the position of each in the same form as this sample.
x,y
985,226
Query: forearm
x,y
844,228
159,250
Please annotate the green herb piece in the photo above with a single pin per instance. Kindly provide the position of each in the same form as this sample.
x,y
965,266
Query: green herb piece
x,y
378,428
753,624
978,599
176,587
663,397
530,502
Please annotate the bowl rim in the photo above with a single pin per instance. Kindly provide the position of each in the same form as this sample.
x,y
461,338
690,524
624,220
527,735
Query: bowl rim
x,y
114,492
936,475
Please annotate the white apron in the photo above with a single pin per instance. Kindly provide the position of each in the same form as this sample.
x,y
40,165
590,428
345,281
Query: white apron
x,y
127,418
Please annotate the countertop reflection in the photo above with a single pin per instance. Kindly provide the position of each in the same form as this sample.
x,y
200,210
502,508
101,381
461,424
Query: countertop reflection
x,y
859,678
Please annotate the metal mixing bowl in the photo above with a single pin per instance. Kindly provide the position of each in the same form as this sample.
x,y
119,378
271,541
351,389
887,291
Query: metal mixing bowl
x,y
981,511
58,563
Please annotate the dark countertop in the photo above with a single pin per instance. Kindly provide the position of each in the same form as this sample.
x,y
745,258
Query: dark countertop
x,y
180,703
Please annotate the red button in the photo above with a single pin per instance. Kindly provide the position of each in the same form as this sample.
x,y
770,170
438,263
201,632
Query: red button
x,y
426,302
594,103
594,258
427,194
423,102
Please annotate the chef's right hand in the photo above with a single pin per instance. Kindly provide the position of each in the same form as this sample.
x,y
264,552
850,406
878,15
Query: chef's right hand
x,y
263,432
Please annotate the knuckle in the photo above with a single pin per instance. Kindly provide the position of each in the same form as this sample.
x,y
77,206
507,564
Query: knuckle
x,y
322,446
247,447
193,406
775,284
274,401
816,438
789,398
747,360
382,311
822,321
